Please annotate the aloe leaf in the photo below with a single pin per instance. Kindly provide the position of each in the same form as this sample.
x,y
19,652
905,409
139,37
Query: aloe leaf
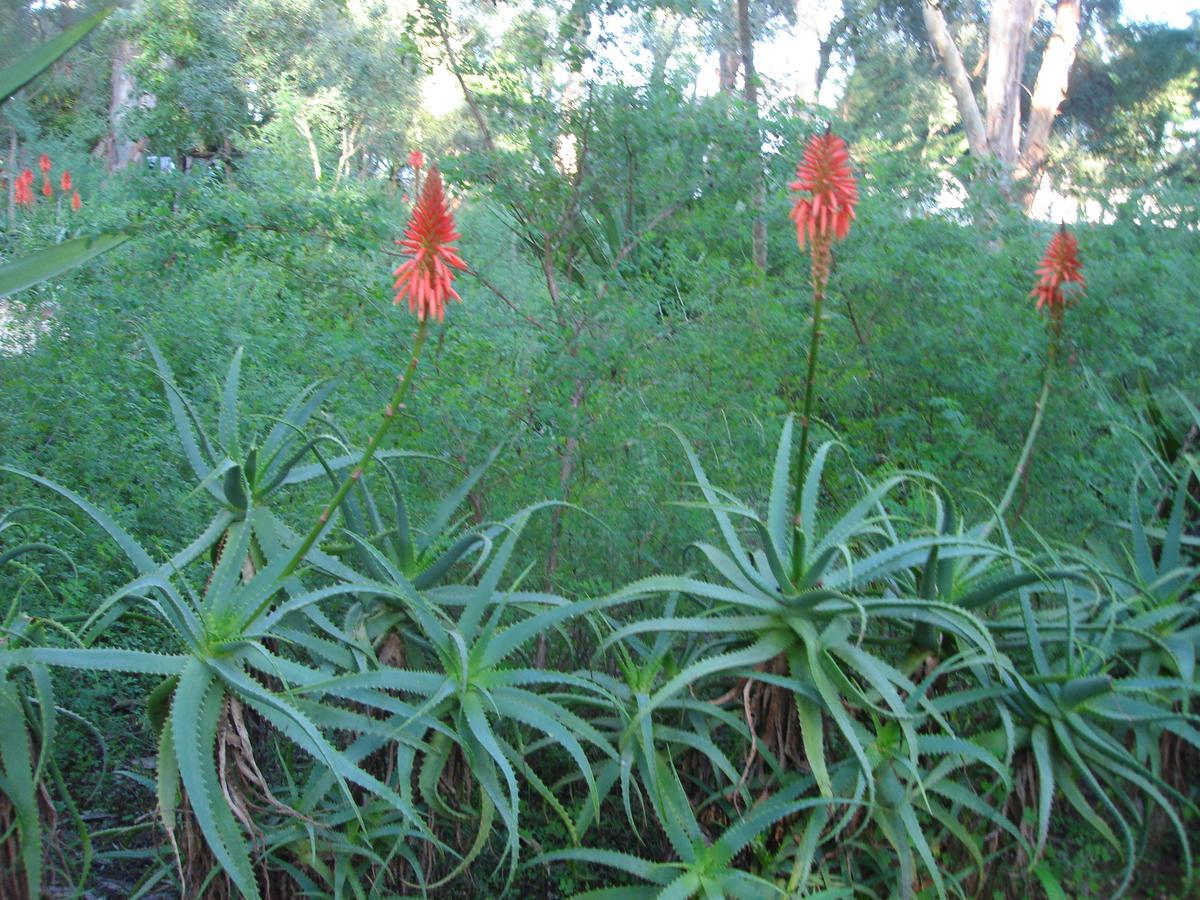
x,y
441,516
1049,881
1142,557
167,780
436,570
104,659
227,415
674,811
849,523
194,717
139,557
760,651
295,418
42,265
481,731
19,784
777,505
30,66
187,424
723,522
472,613
308,473
1171,544
1040,743
654,872
810,494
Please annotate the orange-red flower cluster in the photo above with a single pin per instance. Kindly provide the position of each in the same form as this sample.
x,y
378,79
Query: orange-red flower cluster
x,y
1059,266
23,194
829,190
416,159
23,189
427,277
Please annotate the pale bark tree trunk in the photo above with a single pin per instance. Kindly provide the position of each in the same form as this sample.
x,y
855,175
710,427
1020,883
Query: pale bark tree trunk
x,y
728,66
956,74
1008,43
350,146
667,26
729,57
812,39
1000,135
758,197
468,94
313,153
825,52
1049,91
117,150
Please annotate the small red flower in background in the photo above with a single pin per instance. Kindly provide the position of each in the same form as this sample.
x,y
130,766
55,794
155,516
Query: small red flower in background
x,y
824,174
427,278
44,164
75,202
65,181
416,159
1060,266
47,190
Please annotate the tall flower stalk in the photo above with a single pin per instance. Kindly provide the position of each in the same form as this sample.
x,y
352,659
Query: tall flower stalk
x,y
822,213
426,280
1060,266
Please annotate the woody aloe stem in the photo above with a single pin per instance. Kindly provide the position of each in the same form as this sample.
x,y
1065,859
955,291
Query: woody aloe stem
x,y
389,415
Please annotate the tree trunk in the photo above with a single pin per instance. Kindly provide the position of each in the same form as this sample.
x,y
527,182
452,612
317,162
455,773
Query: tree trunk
x,y
350,146
1049,91
817,26
750,92
956,74
728,63
1008,42
664,41
117,150
313,153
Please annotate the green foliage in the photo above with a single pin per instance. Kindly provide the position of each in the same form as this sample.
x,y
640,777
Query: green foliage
x,y
869,682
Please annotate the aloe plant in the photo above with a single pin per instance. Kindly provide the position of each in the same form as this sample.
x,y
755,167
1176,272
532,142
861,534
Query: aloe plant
x,y
810,630
29,774
706,866
222,644
476,697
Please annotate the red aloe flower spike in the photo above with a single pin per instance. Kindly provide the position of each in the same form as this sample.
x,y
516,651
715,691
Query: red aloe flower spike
x,y
1060,265
824,174
416,159
76,203
47,190
65,181
44,164
427,278
27,176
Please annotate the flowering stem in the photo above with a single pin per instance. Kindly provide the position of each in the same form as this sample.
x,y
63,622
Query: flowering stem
x,y
389,416
1023,459
821,252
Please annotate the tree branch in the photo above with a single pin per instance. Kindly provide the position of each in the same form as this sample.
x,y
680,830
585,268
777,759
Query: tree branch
x,y
964,97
